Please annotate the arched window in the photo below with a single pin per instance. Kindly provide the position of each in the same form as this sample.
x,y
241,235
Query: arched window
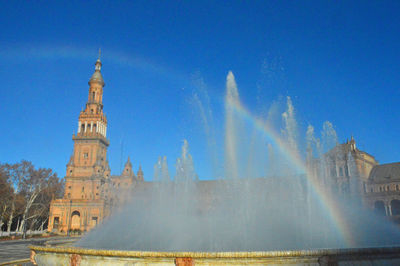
x,y
75,220
397,187
93,95
379,207
395,204
341,171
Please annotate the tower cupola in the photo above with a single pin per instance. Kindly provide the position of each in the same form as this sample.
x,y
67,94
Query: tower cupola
x,y
97,77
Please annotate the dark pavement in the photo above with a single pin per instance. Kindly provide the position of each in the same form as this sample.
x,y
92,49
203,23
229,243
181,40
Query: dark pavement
x,y
18,249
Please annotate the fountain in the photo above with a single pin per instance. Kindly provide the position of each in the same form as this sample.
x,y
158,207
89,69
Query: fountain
x,y
287,215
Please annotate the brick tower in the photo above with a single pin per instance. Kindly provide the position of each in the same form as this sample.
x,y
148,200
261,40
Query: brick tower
x,y
87,181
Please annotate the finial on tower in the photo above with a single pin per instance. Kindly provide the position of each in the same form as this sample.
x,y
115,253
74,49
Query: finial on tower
x,y
140,176
128,162
352,143
98,62
97,77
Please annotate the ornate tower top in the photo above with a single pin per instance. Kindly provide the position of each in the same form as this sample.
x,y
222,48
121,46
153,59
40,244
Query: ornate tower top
x,y
352,144
140,175
90,142
128,168
97,77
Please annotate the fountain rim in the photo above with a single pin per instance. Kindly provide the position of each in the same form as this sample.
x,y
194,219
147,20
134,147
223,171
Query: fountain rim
x,y
239,254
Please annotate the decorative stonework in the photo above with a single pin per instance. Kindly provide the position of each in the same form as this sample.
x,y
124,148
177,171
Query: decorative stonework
x,y
90,190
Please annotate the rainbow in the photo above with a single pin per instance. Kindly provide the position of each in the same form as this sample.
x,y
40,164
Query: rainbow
x,y
327,202
90,54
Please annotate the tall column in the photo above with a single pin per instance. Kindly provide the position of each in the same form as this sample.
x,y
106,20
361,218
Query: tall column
x,y
79,127
386,210
85,127
390,209
105,131
91,126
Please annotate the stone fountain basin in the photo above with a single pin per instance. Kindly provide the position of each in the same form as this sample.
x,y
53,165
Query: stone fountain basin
x,y
80,257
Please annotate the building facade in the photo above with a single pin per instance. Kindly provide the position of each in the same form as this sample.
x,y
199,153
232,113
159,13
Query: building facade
x,y
91,193
382,190
356,173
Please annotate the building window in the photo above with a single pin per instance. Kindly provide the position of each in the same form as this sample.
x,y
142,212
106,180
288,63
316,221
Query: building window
x,y
83,189
94,221
397,187
372,190
387,188
69,187
341,171
56,222
85,155
69,195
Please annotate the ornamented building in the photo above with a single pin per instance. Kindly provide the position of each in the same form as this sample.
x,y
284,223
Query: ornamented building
x,y
91,193
345,167
349,167
382,190
356,173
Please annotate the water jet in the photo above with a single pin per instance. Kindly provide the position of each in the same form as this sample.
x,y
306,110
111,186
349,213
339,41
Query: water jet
x,y
291,216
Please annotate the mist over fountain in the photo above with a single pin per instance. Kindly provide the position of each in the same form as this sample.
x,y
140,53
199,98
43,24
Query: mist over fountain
x,y
269,198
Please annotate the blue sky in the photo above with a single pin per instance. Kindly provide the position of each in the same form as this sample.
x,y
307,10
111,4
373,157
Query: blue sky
x,y
337,61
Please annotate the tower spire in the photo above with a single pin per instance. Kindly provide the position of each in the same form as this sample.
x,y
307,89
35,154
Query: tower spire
x,y
97,77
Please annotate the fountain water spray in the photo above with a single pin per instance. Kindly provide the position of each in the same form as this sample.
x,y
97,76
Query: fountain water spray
x,y
291,207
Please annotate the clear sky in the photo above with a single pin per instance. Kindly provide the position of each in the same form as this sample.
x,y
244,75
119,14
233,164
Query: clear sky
x,y
339,61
